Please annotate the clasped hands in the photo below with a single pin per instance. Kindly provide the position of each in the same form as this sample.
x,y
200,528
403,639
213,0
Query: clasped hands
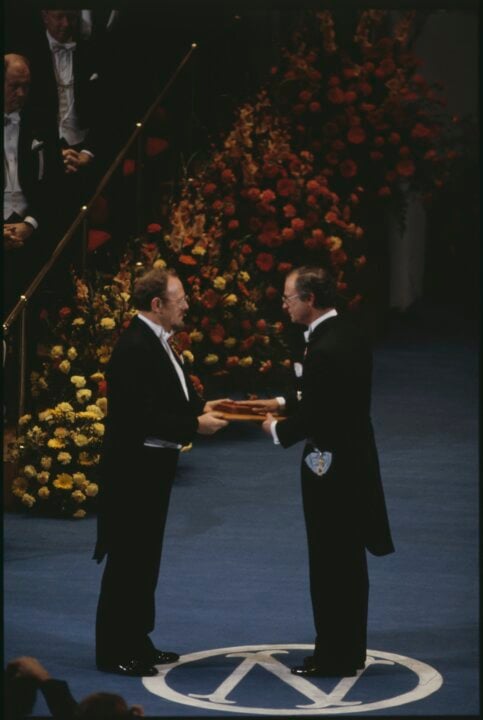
x,y
211,421
74,160
15,234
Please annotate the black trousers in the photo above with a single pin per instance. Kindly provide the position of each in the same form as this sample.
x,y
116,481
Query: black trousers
x,y
339,583
126,607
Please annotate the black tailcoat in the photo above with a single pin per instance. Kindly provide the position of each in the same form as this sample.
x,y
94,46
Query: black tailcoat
x,y
344,509
145,399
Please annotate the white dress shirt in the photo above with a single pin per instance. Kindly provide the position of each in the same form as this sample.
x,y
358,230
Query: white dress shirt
x,y
307,334
164,336
62,54
13,198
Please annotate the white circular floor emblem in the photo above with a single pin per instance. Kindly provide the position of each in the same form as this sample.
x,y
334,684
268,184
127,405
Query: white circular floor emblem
x,y
225,669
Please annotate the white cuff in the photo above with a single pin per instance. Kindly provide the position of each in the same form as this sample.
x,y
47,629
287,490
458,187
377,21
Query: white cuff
x,y
273,430
281,401
87,152
31,221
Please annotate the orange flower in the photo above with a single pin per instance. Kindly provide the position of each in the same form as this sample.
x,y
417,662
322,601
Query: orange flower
x,y
187,260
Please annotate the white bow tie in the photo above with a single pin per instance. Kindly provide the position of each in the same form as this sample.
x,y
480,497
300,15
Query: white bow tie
x,y
59,47
11,118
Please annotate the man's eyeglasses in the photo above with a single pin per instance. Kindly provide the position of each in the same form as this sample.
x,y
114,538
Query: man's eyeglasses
x,y
287,298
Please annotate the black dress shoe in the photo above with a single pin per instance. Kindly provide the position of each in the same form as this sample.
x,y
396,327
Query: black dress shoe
x,y
162,657
323,671
132,668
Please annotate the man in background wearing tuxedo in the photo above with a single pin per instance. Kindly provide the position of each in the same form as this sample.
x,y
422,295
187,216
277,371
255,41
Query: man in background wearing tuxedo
x,y
153,410
343,499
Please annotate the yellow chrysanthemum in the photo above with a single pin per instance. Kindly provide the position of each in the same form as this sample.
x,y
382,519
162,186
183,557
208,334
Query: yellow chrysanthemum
x,y
83,395
29,471
333,243
104,354
43,493
211,359
46,415
64,407
63,481
125,296
28,500
219,283
98,428
25,419
79,513
102,405
46,462
64,367
243,276
188,356
95,410
72,353
199,250
97,376
43,477
196,336
230,299
78,380
80,439
92,489
61,432
56,351
78,496
108,323
229,342
87,460
246,361
64,458
19,486
79,479
78,322
55,444
159,264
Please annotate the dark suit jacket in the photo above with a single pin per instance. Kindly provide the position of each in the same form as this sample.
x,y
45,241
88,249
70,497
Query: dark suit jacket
x,y
88,95
145,399
334,415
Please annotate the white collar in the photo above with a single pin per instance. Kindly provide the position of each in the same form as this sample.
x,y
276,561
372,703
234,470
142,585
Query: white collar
x,y
55,43
315,323
158,330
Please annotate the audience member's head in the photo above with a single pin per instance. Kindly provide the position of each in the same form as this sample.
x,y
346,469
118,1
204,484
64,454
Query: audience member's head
x,y
16,83
106,706
62,25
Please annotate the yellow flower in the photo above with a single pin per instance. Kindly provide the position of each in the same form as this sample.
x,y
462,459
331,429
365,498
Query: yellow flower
x,y
95,410
61,432
85,459
19,486
43,493
196,336
243,276
64,407
230,299
159,264
97,376
108,323
80,439
56,351
250,307
83,395
77,322
103,353
219,283
28,500
92,489
211,359
229,342
98,428
78,496
46,416
188,355
198,250
43,477
72,353
63,481
79,514
333,243
55,444
102,405
25,419
78,380
79,479
246,361
64,458
29,471
125,296
46,462
64,366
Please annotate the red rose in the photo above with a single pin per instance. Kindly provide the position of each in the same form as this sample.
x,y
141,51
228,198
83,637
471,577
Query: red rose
x,y
217,205
233,225
209,189
217,334
365,88
264,261
247,343
356,135
332,158
310,243
253,194
384,191
394,138
261,324
246,325
271,293
379,141
227,176
284,267
375,155
153,228
318,235
155,146
267,196
297,224
350,73
333,81
404,151
229,209
350,97
246,249
232,360
336,96
209,299
288,234
391,176
286,187
315,107
198,386
289,210
420,131
348,168
405,168
128,167
64,312
102,388
305,96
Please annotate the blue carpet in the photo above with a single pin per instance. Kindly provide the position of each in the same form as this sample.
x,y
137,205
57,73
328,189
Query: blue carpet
x,y
234,572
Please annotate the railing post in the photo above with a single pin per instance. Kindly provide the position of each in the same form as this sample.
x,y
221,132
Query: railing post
x,y
139,180
23,357
85,239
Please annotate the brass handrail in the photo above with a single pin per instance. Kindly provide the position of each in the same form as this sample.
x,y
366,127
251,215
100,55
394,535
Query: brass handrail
x,y
24,298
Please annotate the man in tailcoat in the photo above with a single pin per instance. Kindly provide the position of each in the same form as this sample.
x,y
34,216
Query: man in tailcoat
x,y
153,410
343,499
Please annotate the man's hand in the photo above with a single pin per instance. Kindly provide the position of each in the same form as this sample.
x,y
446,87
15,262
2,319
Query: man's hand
x,y
209,423
267,423
15,234
23,667
74,160
269,405
211,404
